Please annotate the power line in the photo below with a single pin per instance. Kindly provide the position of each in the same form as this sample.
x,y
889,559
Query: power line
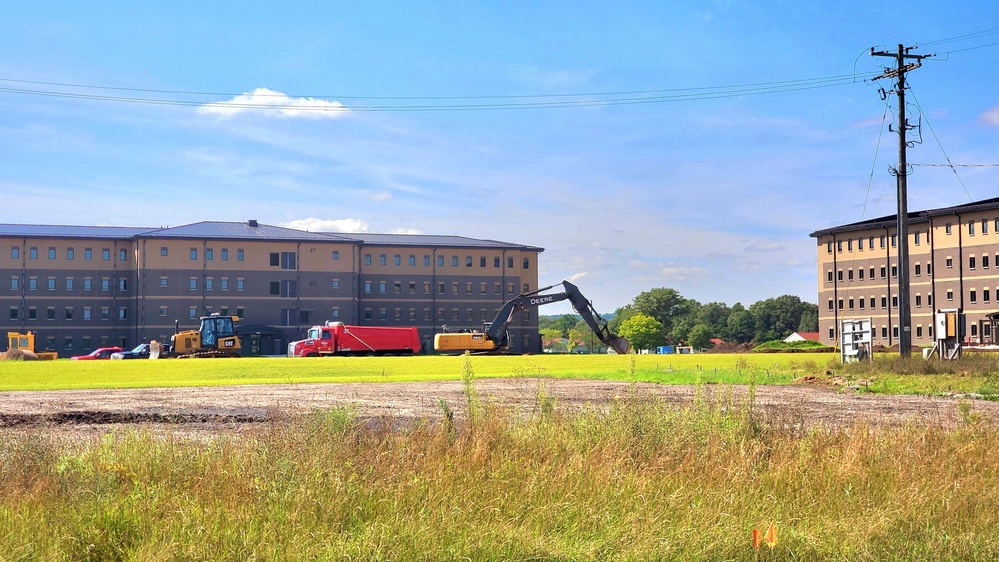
x,y
499,102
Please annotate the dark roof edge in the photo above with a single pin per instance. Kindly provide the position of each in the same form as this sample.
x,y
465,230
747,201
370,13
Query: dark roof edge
x,y
914,217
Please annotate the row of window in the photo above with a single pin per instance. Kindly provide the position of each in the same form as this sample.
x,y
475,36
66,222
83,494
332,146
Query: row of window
x,y
917,237
69,283
894,332
397,287
469,261
209,254
973,294
104,312
88,253
973,263
917,272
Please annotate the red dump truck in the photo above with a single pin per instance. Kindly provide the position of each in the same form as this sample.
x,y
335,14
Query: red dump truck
x,y
337,338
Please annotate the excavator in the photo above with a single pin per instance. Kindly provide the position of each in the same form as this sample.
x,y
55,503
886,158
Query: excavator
x,y
215,338
494,337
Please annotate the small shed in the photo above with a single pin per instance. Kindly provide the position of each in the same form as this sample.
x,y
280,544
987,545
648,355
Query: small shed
x,y
802,336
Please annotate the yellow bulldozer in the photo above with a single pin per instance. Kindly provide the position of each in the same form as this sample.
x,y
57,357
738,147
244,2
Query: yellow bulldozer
x,y
215,338
22,346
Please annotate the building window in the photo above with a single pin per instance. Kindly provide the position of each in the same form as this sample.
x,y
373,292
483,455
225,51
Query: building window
x,y
839,245
106,284
860,301
916,238
397,287
412,261
193,283
367,259
426,261
122,315
454,288
872,303
949,263
883,272
163,311
192,312
209,283
894,301
52,253
88,254
950,295
70,254
336,254
86,313
971,228
51,283
225,284
288,260
971,262
917,268
335,284
15,252
412,287
122,284
382,259
239,254
839,275
894,271
163,281
482,288
527,263
209,254
919,301
381,287
860,274
69,283
335,313
468,261
482,261
985,295
164,252
122,255
973,296
454,261
509,263
985,262
496,262
33,253
849,275
367,287
105,313
830,304
884,302
194,254
850,303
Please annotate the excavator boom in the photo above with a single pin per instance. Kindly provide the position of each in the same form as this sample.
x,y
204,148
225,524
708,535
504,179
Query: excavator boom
x,y
495,336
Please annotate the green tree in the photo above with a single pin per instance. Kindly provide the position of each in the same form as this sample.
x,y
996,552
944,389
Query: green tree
x,y
670,308
643,331
809,318
566,322
740,327
776,318
700,337
715,316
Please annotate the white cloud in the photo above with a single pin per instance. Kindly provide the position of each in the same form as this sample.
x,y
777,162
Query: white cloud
x,y
679,274
272,103
313,224
405,231
381,196
765,246
991,116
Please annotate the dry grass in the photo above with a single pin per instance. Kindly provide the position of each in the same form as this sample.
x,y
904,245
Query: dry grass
x,y
640,481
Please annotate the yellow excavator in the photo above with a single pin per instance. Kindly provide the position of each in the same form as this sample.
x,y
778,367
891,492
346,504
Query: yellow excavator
x,y
495,338
215,338
26,344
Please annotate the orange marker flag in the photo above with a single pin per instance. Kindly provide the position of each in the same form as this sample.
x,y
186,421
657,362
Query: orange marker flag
x,y
771,536
756,539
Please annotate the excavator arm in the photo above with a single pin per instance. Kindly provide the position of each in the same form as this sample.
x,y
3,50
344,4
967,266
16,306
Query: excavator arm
x,y
495,336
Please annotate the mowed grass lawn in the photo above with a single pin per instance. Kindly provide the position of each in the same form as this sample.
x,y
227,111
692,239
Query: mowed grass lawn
x,y
665,369
671,369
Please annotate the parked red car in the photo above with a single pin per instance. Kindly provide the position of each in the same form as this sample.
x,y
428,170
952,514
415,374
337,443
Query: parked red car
x,y
99,353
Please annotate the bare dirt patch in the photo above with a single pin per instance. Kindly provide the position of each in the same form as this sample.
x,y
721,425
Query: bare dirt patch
x,y
232,409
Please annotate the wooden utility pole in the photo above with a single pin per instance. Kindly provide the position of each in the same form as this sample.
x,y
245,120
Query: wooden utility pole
x,y
904,310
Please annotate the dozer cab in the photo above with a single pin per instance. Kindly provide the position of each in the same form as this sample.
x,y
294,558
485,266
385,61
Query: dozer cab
x,y
215,338
25,343
495,338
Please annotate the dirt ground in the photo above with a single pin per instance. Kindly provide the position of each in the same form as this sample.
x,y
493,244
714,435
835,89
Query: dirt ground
x,y
224,410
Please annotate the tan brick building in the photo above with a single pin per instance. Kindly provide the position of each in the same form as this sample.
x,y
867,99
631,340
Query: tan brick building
x,y
954,263
82,287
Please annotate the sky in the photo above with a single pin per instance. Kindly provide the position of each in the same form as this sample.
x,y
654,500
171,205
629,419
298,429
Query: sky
x,y
693,145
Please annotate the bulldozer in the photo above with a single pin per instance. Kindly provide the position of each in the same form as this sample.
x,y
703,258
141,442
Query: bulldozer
x,y
23,346
216,337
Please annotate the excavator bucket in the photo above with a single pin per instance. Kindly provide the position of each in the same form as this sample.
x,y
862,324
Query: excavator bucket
x,y
618,344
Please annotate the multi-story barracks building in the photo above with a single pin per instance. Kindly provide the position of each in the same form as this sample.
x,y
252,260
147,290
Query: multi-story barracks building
x,y
953,261
83,287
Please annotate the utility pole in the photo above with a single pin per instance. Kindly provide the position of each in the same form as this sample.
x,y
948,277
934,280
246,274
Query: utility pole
x,y
902,230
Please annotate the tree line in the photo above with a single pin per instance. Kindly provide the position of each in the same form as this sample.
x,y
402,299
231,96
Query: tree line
x,y
663,316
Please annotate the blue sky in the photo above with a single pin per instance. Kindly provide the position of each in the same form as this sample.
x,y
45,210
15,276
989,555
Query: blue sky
x,y
493,120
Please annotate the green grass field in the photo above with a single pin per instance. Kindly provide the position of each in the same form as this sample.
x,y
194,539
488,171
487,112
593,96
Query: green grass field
x,y
916,377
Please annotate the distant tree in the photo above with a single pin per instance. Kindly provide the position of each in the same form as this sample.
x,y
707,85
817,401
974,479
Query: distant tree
x,y
643,331
809,318
670,308
551,339
566,322
776,318
620,315
740,327
700,337
715,316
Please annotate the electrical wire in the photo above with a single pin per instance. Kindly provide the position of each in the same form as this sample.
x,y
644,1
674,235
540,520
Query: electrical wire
x,y
949,164
323,103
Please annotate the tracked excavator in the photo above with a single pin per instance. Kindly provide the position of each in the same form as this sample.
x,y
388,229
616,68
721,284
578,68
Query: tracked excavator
x,y
495,338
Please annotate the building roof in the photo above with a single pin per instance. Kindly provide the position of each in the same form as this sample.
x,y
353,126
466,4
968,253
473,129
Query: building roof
x,y
431,240
67,231
251,230
916,217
